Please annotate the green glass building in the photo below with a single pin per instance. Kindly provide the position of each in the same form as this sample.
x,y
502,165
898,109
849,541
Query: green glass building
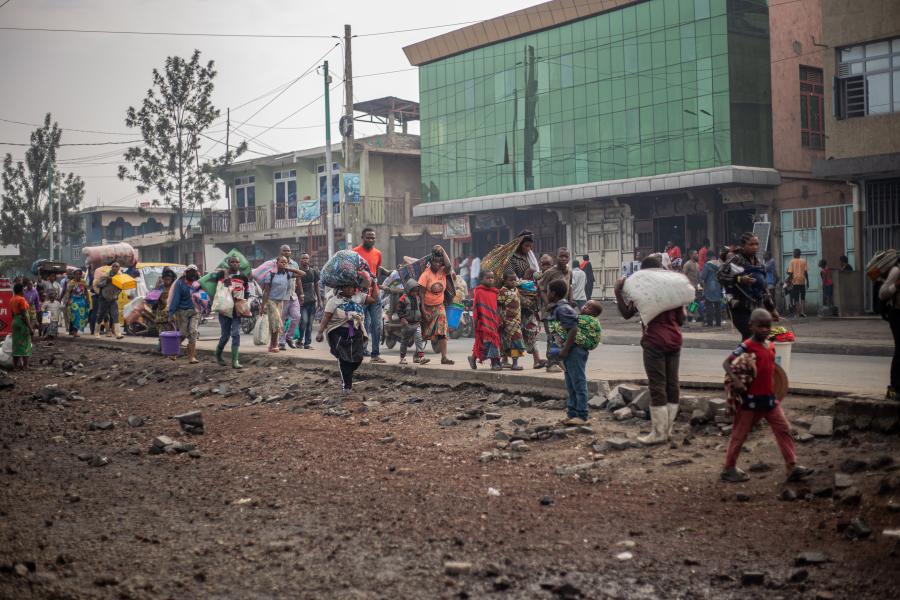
x,y
606,125
662,86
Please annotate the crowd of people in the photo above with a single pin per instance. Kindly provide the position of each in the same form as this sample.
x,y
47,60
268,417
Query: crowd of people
x,y
513,302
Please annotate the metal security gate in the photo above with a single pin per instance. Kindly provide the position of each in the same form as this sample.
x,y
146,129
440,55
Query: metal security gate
x,y
607,236
824,232
881,227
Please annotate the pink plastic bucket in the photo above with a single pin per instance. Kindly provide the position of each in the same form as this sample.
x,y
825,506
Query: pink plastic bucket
x,y
170,343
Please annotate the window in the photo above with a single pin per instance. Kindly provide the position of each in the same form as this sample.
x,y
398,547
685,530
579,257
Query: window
x,y
812,104
868,80
245,199
285,194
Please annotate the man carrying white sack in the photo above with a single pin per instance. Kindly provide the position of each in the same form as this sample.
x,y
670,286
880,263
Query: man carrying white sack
x,y
661,342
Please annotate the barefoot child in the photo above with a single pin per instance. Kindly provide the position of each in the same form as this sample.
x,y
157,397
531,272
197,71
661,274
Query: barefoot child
x,y
487,324
751,378
512,345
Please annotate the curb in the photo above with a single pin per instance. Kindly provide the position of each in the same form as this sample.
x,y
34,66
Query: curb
x,y
520,384
613,339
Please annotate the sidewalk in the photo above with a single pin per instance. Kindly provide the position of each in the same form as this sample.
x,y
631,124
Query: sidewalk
x,y
863,336
811,374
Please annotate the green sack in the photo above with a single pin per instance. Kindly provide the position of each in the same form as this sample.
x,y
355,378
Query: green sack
x,y
245,264
208,284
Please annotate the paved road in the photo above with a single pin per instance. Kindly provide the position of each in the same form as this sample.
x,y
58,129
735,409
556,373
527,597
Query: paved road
x,y
846,374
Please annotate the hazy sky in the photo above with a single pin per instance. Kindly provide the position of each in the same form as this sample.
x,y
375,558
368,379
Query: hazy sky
x,y
87,81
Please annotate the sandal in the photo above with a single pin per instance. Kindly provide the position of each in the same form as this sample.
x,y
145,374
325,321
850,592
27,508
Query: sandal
x,y
541,364
447,361
517,368
472,364
734,475
496,368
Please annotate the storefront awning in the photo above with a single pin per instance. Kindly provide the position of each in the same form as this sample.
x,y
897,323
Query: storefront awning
x,y
569,194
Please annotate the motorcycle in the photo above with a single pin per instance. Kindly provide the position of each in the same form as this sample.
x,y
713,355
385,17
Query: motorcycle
x,y
255,299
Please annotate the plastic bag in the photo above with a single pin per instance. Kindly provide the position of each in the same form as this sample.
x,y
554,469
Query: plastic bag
x,y
261,331
654,291
242,308
342,269
6,357
223,302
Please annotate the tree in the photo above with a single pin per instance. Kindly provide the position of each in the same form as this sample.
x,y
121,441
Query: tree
x,y
25,211
172,119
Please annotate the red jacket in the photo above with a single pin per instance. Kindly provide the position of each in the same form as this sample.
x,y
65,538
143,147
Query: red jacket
x,y
487,320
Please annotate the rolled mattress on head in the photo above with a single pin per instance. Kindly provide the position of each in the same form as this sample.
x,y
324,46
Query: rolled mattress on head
x,y
121,253
654,291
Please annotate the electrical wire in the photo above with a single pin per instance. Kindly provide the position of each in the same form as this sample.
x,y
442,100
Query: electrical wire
x,y
168,33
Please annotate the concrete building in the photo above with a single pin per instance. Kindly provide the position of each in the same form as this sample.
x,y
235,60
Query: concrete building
x,y
808,212
861,57
149,229
613,126
280,199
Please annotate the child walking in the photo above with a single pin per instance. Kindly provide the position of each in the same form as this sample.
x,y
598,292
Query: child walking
x,y
487,324
409,309
512,344
750,384
52,310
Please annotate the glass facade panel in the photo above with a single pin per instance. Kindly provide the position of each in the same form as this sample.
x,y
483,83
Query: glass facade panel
x,y
643,90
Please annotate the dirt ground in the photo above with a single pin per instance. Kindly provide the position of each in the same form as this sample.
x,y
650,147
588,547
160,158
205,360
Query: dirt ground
x,y
294,491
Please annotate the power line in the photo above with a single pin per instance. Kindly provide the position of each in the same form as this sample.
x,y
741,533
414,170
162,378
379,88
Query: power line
x,y
169,33
415,29
79,144
5,3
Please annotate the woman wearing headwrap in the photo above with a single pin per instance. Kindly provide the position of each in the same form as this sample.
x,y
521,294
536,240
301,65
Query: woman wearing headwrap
x,y
524,265
77,301
434,316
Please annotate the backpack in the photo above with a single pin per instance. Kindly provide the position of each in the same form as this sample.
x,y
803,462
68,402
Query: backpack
x,y
881,264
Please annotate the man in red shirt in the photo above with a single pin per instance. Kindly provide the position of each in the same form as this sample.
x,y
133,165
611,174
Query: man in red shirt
x,y
661,342
672,250
702,254
372,256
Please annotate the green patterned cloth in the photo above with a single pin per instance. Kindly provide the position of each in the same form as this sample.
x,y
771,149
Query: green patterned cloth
x,y
588,334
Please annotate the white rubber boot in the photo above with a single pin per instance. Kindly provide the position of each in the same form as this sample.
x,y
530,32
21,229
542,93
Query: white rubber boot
x,y
673,414
659,418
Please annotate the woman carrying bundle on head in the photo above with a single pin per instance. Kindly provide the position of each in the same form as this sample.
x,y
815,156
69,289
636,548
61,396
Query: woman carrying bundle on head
x,y
523,264
344,323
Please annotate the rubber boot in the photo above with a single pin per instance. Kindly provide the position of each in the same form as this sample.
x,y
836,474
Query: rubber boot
x,y
219,359
673,414
659,418
192,353
235,363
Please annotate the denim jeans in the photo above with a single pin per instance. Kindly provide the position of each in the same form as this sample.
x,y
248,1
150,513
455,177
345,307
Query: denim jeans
x,y
576,382
307,316
373,326
230,328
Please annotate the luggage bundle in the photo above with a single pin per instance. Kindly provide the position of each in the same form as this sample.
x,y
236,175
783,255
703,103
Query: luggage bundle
x,y
881,264
655,291
122,253
343,269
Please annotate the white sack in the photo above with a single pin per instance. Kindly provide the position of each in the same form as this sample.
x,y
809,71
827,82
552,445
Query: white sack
x,y
654,291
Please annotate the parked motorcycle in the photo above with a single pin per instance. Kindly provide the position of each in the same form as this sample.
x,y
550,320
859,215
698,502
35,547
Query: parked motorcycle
x,y
255,299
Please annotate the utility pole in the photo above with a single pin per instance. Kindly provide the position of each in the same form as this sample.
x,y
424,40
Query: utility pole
x,y
349,159
59,227
227,150
329,207
531,133
50,196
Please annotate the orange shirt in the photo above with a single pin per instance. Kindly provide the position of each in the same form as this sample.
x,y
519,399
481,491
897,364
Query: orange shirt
x,y
18,305
797,268
373,257
429,278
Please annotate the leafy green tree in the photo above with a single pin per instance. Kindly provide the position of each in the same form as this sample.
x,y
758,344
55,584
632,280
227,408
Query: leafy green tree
x,y
172,120
25,211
